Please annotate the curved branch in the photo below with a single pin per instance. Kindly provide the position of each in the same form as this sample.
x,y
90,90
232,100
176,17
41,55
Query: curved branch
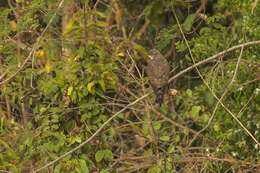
x,y
213,58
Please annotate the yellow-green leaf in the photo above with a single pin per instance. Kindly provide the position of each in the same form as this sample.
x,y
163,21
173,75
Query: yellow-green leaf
x,y
70,89
48,67
90,87
139,48
102,84
69,27
120,54
13,25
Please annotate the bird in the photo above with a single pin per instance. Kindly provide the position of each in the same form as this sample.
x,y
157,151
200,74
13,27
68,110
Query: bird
x,y
158,71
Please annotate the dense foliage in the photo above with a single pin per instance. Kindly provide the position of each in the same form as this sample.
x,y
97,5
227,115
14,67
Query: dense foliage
x,y
68,68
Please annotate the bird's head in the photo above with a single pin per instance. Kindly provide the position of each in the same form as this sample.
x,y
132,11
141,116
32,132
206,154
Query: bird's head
x,y
154,54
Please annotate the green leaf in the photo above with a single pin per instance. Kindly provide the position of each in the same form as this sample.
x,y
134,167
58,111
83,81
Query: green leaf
x,y
102,85
71,25
90,87
103,154
70,89
154,169
157,125
139,48
189,22
171,149
217,127
57,169
99,155
195,111
108,154
83,166
104,171
19,1
177,138
189,92
165,138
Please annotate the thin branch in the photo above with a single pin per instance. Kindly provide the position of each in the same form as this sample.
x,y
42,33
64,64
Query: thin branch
x,y
5,171
202,7
220,54
175,123
251,81
244,107
142,30
254,6
94,134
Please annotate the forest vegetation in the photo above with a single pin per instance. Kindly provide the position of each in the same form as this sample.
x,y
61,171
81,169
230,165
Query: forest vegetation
x,y
75,95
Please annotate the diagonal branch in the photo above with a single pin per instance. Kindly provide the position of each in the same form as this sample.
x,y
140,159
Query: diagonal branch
x,y
210,59
94,134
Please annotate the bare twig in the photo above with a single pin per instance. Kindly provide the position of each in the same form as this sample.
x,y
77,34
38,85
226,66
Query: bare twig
x,y
244,107
251,81
134,168
220,54
174,123
142,30
5,171
202,7
254,4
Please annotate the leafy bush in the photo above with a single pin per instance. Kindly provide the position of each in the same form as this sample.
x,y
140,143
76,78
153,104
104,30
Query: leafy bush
x,y
70,69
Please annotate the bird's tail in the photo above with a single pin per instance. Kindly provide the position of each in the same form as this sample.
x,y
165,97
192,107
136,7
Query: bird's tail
x,y
159,96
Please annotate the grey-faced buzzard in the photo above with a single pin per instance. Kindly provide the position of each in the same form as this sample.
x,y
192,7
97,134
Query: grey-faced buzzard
x,y
158,71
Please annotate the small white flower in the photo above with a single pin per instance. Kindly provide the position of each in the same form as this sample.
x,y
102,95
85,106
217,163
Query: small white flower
x,y
234,154
207,149
256,146
248,124
240,88
257,91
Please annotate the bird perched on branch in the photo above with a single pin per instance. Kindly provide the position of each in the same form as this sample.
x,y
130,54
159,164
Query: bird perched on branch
x,y
158,71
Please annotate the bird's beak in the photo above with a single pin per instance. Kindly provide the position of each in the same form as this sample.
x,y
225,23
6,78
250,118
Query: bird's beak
x,y
150,56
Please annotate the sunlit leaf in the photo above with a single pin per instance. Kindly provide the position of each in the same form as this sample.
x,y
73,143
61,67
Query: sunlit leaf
x,y
48,67
99,155
104,171
189,22
102,84
90,87
13,25
195,110
165,138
